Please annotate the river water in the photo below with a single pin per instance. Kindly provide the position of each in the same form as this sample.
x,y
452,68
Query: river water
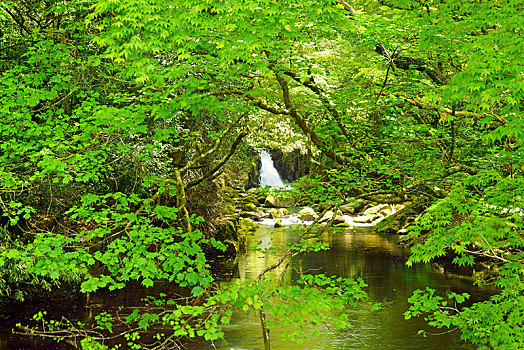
x,y
356,253
381,262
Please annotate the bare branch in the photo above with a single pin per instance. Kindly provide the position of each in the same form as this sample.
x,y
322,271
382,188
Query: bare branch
x,y
407,63
431,106
297,118
309,82
347,7
220,163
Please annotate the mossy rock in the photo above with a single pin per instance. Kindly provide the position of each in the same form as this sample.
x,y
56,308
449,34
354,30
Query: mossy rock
x,y
249,199
273,201
400,219
229,193
228,209
278,224
227,231
261,199
339,220
247,226
278,213
249,207
255,215
307,214
323,206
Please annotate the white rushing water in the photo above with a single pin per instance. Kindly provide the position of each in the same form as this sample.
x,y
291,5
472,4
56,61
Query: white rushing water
x,y
269,175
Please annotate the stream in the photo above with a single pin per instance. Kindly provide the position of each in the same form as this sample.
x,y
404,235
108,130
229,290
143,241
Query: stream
x,y
380,261
354,253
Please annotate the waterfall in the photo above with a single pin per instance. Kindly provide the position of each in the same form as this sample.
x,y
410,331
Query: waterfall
x,y
268,173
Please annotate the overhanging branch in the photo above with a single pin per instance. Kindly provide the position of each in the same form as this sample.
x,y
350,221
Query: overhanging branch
x,y
297,118
309,83
220,163
408,63
431,106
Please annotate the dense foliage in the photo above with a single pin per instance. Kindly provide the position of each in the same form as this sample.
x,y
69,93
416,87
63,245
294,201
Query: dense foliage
x,y
117,118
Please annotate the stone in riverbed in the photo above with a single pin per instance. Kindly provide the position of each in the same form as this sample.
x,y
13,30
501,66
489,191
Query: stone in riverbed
x,y
384,209
249,199
323,206
273,201
353,207
277,213
339,219
249,207
278,224
255,215
246,225
329,215
366,219
307,214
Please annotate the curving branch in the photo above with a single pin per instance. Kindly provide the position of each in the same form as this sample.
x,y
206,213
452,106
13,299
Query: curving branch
x,y
219,165
431,106
309,83
347,7
260,104
408,63
297,118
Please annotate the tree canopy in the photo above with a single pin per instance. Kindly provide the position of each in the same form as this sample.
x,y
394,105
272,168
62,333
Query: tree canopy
x,y
117,118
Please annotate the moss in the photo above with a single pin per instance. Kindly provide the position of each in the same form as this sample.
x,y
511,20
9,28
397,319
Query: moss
x,y
249,207
400,219
228,209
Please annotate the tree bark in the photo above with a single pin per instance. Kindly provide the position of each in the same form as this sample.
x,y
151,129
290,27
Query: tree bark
x,y
408,63
311,85
265,330
297,118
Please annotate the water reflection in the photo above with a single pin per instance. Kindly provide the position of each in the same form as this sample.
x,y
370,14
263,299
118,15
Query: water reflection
x,y
354,253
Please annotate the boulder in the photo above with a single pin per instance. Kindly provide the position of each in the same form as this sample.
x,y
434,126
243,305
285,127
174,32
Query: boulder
x,y
277,213
273,201
246,225
228,209
255,215
353,207
366,219
329,215
261,198
307,214
227,231
339,219
347,209
229,192
249,199
323,206
379,209
400,219
249,207
278,224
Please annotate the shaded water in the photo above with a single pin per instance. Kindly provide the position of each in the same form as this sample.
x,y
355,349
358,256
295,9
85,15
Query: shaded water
x,y
354,253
